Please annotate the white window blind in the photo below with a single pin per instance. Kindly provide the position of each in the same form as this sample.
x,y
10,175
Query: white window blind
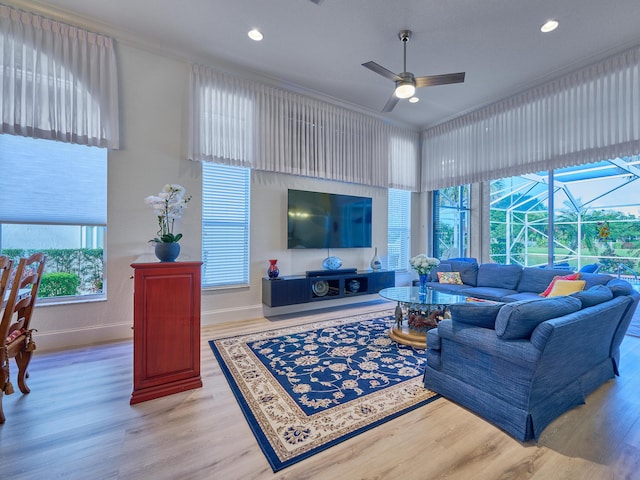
x,y
225,224
52,182
399,229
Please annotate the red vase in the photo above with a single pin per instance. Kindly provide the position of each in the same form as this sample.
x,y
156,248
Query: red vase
x,y
273,271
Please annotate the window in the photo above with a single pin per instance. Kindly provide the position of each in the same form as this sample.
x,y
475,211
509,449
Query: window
x,y
225,225
55,201
571,217
399,229
451,222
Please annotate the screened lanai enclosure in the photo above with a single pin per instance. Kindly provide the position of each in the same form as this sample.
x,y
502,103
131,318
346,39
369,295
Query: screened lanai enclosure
x,y
582,218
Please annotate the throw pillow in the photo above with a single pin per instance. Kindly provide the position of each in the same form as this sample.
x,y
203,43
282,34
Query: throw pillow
x,y
517,320
619,287
566,287
452,278
573,276
594,296
443,267
480,314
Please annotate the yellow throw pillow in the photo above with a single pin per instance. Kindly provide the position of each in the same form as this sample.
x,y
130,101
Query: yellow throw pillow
x,y
566,287
449,277
571,276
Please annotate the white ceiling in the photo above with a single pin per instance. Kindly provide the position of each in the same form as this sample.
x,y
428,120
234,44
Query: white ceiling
x,y
320,48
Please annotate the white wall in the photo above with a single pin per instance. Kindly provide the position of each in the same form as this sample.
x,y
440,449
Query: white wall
x,y
153,108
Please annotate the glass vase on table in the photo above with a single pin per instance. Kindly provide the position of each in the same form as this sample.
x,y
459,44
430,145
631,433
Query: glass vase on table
x,y
424,278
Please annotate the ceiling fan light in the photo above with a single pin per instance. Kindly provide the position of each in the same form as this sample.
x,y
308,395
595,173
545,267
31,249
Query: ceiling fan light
x,y
255,35
405,90
549,26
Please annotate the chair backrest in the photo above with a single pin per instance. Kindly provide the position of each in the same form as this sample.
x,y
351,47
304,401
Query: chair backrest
x,y
22,296
5,274
590,268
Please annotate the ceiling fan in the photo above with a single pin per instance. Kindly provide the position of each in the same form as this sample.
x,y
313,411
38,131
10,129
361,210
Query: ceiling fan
x,y
406,82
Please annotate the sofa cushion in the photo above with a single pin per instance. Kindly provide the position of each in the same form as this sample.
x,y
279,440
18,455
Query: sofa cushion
x,y
595,295
486,293
516,297
595,279
449,277
480,314
468,271
518,319
619,287
566,287
536,279
447,287
499,276
570,276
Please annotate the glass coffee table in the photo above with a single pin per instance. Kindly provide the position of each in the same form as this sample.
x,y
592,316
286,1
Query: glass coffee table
x,y
423,312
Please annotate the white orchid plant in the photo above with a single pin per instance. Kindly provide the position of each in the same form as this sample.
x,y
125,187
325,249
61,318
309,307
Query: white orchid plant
x,y
168,205
423,264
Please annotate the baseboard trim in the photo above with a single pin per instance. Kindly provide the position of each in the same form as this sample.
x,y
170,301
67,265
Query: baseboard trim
x,y
82,337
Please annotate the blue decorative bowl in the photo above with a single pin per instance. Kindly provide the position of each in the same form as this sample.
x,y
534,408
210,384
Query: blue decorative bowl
x,y
331,263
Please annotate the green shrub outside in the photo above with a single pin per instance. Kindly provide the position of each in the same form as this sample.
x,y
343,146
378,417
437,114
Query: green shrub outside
x,y
59,284
85,264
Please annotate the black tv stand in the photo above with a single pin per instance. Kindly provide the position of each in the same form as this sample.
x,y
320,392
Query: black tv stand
x,y
320,285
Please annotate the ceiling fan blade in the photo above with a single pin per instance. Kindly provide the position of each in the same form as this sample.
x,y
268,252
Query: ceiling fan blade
x,y
379,69
445,79
391,103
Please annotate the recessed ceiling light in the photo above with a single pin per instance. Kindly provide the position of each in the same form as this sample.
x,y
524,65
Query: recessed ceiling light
x,y
255,35
414,99
549,26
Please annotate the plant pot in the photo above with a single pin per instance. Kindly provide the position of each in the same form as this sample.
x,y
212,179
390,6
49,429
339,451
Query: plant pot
x,y
167,252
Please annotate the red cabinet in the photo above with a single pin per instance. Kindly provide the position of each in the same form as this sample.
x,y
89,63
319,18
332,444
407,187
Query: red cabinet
x,y
166,329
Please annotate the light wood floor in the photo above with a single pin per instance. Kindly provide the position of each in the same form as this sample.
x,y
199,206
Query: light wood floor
x,y
77,424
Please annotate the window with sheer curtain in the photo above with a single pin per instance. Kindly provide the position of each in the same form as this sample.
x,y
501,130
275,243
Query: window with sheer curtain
x,y
589,115
59,110
242,122
58,82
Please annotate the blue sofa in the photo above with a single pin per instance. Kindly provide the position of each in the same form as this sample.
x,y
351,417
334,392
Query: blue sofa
x,y
503,283
523,362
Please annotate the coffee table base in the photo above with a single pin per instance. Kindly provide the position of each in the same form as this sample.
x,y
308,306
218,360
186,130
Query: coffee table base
x,y
408,337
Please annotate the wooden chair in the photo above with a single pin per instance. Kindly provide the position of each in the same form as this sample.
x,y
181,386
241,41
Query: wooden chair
x,y
15,331
5,273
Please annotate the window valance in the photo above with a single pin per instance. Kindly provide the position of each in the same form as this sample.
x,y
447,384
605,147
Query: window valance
x,y
58,82
590,115
243,122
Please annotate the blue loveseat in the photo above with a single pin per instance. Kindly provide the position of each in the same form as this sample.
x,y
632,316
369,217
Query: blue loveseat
x,y
521,362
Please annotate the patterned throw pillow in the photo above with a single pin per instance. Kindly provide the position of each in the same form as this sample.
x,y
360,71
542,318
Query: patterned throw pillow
x,y
450,277
566,287
573,276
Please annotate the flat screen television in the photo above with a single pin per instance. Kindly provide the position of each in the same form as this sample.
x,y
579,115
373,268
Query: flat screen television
x,y
327,220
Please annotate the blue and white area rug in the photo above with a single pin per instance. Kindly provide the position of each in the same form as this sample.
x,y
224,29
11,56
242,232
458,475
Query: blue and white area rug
x,y
305,388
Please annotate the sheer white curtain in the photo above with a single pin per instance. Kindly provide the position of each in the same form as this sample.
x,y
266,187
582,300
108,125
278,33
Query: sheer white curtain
x,y
243,122
58,82
404,160
590,115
